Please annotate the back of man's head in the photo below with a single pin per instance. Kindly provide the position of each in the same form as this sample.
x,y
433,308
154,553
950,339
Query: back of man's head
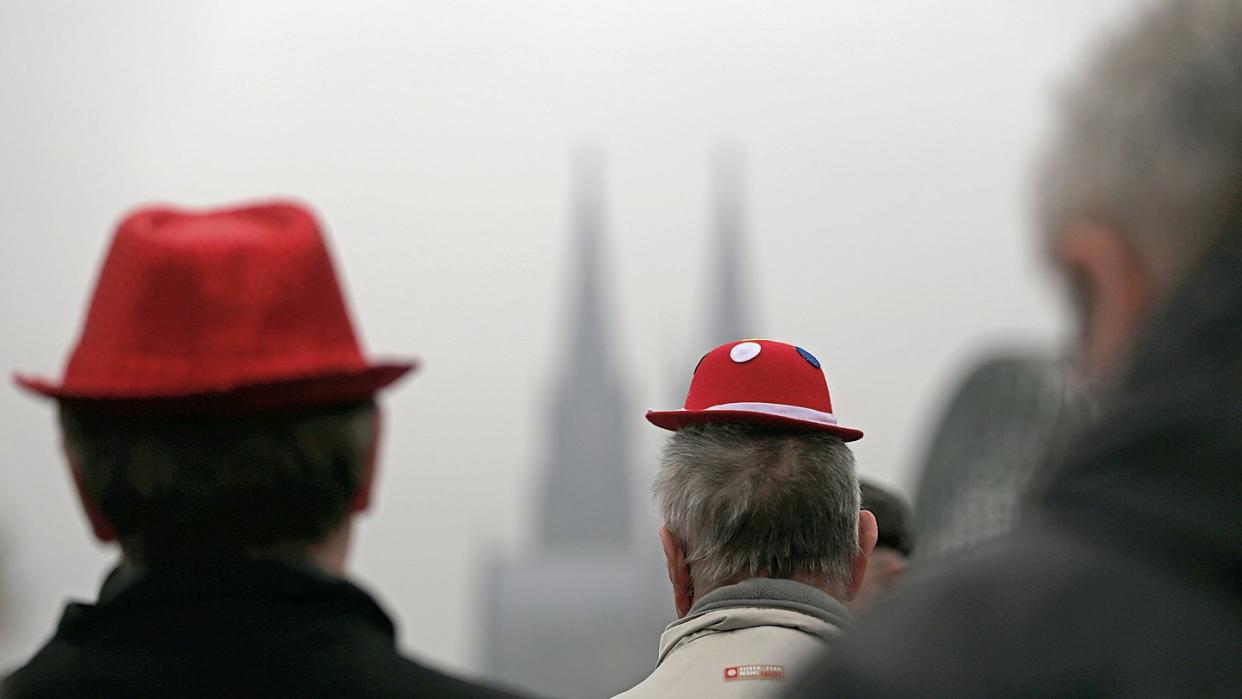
x,y
177,489
1144,172
217,400
748,501
887,565
1151,137
892,518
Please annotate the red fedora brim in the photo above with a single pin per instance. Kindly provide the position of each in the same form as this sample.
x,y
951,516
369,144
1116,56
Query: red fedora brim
x,y
677,419
303,392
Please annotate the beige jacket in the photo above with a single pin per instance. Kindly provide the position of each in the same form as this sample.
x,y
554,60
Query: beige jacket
x,y
743,640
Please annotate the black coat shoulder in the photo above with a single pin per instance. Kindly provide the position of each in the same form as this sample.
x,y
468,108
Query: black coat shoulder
x,y
250,630
1042,612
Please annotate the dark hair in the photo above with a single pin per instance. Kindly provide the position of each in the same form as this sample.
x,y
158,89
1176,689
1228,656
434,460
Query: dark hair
x,y
192,487
892,516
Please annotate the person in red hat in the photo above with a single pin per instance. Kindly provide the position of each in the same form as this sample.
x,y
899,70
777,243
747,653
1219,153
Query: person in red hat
x,y
763,533
219,421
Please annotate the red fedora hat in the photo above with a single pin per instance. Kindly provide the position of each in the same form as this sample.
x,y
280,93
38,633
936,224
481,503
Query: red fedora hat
x,y
759,382
230,310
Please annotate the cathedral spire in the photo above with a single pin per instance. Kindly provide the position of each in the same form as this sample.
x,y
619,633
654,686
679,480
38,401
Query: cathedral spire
x,y
728,305
586,487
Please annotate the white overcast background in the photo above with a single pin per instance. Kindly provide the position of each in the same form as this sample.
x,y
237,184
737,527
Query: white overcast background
x,y
888,148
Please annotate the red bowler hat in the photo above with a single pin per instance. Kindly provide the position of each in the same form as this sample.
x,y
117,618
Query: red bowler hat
x,y
230,311
758,382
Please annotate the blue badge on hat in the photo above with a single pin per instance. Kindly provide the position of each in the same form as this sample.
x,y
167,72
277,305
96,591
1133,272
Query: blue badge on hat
x,y
810,358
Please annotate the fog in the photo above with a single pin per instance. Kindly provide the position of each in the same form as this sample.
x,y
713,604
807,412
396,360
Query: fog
x,y
887,149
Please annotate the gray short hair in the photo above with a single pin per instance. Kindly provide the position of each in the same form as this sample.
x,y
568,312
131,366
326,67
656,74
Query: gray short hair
x,y
1151,136
748,501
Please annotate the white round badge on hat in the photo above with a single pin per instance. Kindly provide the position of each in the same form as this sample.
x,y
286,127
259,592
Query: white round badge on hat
x,y
744,352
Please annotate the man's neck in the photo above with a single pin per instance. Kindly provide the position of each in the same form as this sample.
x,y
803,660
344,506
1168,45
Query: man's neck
x,y
330,554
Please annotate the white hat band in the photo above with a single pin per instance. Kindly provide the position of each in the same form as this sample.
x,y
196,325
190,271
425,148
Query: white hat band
x,y
796,412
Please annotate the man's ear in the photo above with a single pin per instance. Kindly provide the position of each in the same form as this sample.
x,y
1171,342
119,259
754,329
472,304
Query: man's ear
x,y
103,529
868,532
678,572
1115,291
366,481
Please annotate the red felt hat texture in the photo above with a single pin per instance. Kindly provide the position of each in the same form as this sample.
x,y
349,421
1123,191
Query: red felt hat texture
x,y
758,382
223,311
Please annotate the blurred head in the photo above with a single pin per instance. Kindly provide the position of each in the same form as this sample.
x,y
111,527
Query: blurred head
x,y
743,501
893,545
1146,168
172,489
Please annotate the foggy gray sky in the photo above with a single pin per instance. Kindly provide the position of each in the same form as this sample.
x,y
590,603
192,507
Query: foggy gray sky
x,y
887,145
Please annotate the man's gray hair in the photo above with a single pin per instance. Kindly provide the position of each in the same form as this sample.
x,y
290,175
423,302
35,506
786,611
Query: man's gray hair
x,y
1151,137
749,501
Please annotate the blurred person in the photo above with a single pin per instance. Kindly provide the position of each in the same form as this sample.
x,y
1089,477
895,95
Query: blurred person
x,y
219,421
1122,577
993,437
762,533
889,560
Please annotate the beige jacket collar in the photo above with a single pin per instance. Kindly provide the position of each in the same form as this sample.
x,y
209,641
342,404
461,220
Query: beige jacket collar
x,y
758,602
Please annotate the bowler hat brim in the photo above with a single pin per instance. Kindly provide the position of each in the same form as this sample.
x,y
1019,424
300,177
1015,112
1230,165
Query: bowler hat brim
x,y
678,419
284,394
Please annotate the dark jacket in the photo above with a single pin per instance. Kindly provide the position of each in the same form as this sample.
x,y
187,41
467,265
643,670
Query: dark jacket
x,y
1125,578
239,630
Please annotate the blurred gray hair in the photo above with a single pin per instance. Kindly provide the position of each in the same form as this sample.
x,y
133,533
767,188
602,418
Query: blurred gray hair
x,y
1151,136
747,501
